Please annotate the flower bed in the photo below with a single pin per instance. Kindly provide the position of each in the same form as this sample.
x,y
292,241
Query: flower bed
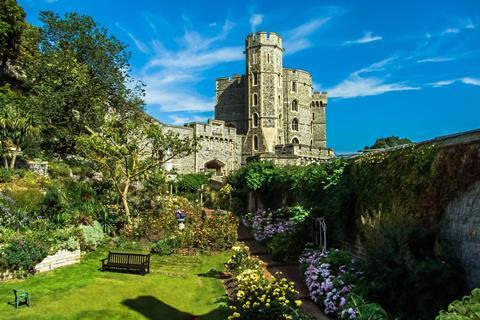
x,y
335,283
256,296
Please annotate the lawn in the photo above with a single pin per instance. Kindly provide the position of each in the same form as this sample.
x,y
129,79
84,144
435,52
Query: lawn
x,y
176,288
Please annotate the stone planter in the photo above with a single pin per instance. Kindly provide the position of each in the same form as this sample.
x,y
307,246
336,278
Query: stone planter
x,y
59,259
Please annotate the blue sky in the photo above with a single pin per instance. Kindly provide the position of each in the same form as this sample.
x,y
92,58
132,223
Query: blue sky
x,y
406,68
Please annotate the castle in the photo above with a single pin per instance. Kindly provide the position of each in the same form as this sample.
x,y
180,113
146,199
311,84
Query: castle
x,y
270,113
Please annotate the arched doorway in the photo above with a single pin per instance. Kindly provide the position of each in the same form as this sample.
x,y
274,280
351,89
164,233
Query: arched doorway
x,y
215,166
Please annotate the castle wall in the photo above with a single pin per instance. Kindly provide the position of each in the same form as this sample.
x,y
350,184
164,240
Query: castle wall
x,y
302,94
230,102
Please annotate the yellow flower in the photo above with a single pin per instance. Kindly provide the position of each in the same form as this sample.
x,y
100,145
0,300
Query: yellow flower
x,y
298,303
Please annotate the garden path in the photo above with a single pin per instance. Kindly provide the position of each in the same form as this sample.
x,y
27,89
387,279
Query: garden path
x,y
291,271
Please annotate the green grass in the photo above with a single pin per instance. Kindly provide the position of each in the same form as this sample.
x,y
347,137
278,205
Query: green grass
x,y
174,289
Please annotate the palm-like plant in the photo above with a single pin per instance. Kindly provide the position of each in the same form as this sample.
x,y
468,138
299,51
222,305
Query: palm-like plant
x,y
15,130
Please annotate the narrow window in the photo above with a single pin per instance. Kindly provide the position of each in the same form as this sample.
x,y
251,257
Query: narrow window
x,y
295,124
295,141
279,101
313,116
294,105
255,99
279,140
255,120
294,86
311,143
255,143
268,57
255,78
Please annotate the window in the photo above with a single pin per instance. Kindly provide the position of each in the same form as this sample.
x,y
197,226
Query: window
x,y
280,120
268,57
317,104
313,116
279,140
255,99
279,101
295,124
295,141
311,143
294,105
279,80
255,143
255,120
255,78
321,103
294,86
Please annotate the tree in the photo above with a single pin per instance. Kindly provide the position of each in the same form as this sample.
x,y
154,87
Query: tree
x,y
16,126
125,149
388,142
12,24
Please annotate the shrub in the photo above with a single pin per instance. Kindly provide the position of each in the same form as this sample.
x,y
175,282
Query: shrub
x,y
72,244
90,236
22,254
59,169
192,182
466,309
241,260
286,246
165,246
335,283
6,175
258,298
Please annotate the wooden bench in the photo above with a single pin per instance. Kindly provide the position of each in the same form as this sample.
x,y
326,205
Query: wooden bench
x,y
120,261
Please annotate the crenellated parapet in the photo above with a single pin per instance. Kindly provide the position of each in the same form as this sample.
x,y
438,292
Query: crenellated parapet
x,y
262,38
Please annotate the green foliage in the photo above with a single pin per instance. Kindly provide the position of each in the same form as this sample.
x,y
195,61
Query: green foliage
x,y
164,246
394,242
59,169
466,309
191,182
126,149
71,244
6,175
388,142
287,246
22,254
90,236
241,260
12,25
366,311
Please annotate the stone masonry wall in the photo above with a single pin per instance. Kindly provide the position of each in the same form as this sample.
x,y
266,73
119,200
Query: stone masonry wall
x,y
59,259
461,232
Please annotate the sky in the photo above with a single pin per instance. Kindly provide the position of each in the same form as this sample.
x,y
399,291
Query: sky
x,y
402,68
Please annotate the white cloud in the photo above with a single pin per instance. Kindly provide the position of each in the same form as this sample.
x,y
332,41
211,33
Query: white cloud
x,y
367,38
192,59
256,19
356,86
435,59
472,81
376,67
467,23
180,119
442,83
170,75
451,30
139,44
151,25
464,80
297,38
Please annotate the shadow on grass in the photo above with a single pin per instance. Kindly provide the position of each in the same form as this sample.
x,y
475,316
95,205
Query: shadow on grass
x,y
215,274
154,309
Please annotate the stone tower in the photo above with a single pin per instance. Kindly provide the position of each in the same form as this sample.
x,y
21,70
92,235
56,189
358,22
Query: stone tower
x,y
264,94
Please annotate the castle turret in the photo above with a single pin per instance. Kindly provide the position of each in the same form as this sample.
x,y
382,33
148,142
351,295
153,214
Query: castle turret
x,y
319,127
264,72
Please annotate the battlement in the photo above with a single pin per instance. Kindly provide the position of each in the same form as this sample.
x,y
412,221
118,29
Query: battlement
x,y
213,129
320,96
263,38
225,82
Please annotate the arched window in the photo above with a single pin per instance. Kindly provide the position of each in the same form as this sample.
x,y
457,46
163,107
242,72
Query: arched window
x,y
321,103
312,104
255,78
317,104
295,141
295,124
255,120
294,86
294,105
280,120
255,99
268,57
313,116
279,101
311,143
255,143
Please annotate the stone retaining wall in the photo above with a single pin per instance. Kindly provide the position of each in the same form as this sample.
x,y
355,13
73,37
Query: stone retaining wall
x,y
59,259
